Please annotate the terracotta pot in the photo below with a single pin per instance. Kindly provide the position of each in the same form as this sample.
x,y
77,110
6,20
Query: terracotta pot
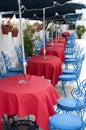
x,y
14,33
4,29
9,28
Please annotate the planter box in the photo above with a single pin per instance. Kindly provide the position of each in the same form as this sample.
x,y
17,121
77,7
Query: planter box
x,y
9,28
14,33
4,29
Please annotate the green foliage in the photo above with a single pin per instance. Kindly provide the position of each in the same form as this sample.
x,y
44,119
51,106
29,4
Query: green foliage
x,y
80,30
29,39
14,27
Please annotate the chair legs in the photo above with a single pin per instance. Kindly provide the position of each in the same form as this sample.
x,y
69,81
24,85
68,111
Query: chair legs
x,y
63,86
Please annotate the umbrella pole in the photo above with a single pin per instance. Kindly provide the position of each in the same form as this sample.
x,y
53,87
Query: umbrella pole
x,y
44,30
56,31
52,32
21,36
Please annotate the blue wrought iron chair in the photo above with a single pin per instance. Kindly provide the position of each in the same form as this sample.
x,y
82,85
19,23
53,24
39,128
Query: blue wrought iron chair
x,y
66,121
73,60
73,71
38,46
72,52
71,77
71,121
19,53
70,42
8,63
4,74
77,102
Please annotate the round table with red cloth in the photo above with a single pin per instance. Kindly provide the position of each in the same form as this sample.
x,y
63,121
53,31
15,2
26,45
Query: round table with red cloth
x,y
35,96
60,41
48,66
55,51
67,34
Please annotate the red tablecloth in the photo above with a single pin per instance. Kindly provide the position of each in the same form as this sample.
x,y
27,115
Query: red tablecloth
x,y
55,51
37,96
60,41
47,66
67,34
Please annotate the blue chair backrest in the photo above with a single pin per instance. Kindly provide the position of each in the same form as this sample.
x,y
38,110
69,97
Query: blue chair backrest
x,y
7,59
19,53
71,38
39,44
80,93
2,64
78,52
78,65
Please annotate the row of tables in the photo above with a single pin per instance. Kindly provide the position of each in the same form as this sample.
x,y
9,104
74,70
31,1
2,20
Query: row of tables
x,y
49,65
31,94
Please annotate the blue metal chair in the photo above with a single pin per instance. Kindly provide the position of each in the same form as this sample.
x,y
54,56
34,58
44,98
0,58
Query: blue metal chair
x,y
71,77
70,42
72,52
66,121
73,71
38,46
19,53
73,60
8,63
4,74
76,103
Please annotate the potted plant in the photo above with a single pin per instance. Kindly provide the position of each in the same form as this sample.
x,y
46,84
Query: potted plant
x,y
29,39
4,29
80,29
38,26
6,26
15,31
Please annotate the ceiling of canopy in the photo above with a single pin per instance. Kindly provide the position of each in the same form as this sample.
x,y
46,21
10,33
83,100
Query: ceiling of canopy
x,y
37,4
12,5
68,8
62,1
50,12
72,18
61,8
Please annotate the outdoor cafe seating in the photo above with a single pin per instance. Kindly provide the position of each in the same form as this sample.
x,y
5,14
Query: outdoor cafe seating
x,y
34,68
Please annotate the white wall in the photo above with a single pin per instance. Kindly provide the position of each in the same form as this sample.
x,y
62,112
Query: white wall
x,y
7,43
64,27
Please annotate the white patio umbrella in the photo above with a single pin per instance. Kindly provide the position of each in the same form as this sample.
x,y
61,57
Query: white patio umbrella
x,y
21,36
50,2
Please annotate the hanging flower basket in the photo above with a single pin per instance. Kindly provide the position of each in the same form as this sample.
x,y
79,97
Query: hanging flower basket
x,y
4,29
15,33
9,28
